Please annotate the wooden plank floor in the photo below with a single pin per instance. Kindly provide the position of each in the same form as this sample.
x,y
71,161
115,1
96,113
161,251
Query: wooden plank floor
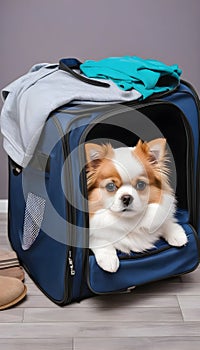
x,y
162,315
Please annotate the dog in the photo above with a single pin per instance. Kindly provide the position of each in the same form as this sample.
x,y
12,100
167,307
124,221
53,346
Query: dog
x,y
131,203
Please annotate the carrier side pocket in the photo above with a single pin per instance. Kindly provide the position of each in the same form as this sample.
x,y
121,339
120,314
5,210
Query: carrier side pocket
x,y
34,213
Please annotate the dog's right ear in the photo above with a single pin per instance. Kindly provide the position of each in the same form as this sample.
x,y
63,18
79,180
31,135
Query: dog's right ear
x,y
95,153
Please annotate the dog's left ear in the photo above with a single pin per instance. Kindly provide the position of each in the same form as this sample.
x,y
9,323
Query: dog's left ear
x,y
157,149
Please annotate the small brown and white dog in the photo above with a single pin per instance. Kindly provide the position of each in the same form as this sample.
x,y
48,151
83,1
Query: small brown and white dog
x,y
131,204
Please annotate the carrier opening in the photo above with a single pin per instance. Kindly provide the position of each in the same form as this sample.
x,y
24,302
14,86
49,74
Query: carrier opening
x,y
126,127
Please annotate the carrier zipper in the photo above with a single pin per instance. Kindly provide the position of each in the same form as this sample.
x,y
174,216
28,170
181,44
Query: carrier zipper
x,y
71,263
70,272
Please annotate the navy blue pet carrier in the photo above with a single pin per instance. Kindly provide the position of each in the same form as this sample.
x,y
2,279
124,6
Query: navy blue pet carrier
x,y
48,209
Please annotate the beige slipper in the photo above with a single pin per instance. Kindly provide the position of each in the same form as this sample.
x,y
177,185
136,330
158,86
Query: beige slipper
x,y
12,290
10,266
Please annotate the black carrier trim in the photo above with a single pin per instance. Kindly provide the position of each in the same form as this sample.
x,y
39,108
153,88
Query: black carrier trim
x,y
189,159
197,101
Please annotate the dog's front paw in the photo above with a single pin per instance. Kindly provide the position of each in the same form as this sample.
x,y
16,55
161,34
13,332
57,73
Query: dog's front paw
x,y
177,237
108,262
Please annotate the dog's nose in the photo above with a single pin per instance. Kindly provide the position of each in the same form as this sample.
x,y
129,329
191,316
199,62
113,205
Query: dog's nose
x,y
127,199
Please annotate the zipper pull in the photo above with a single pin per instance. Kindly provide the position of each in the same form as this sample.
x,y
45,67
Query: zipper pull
x,y
71,264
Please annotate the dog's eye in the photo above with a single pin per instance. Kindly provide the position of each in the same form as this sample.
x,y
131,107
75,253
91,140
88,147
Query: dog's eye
x,y
111,187
140,185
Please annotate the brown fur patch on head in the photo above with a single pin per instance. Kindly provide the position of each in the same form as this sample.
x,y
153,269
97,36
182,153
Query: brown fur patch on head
x,y
99,168
153,157
99,165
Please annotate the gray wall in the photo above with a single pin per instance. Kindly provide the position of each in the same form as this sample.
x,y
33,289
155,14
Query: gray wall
x,y
34,31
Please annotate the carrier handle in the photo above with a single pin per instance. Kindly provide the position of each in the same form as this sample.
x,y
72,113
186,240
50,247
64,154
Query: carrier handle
x,y
158,95
68,64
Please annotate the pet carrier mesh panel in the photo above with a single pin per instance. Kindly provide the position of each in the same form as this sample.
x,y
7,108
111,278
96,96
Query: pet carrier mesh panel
x,y
33,217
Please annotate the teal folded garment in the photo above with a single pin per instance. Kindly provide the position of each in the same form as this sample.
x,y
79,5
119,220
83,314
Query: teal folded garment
x,y
147,76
